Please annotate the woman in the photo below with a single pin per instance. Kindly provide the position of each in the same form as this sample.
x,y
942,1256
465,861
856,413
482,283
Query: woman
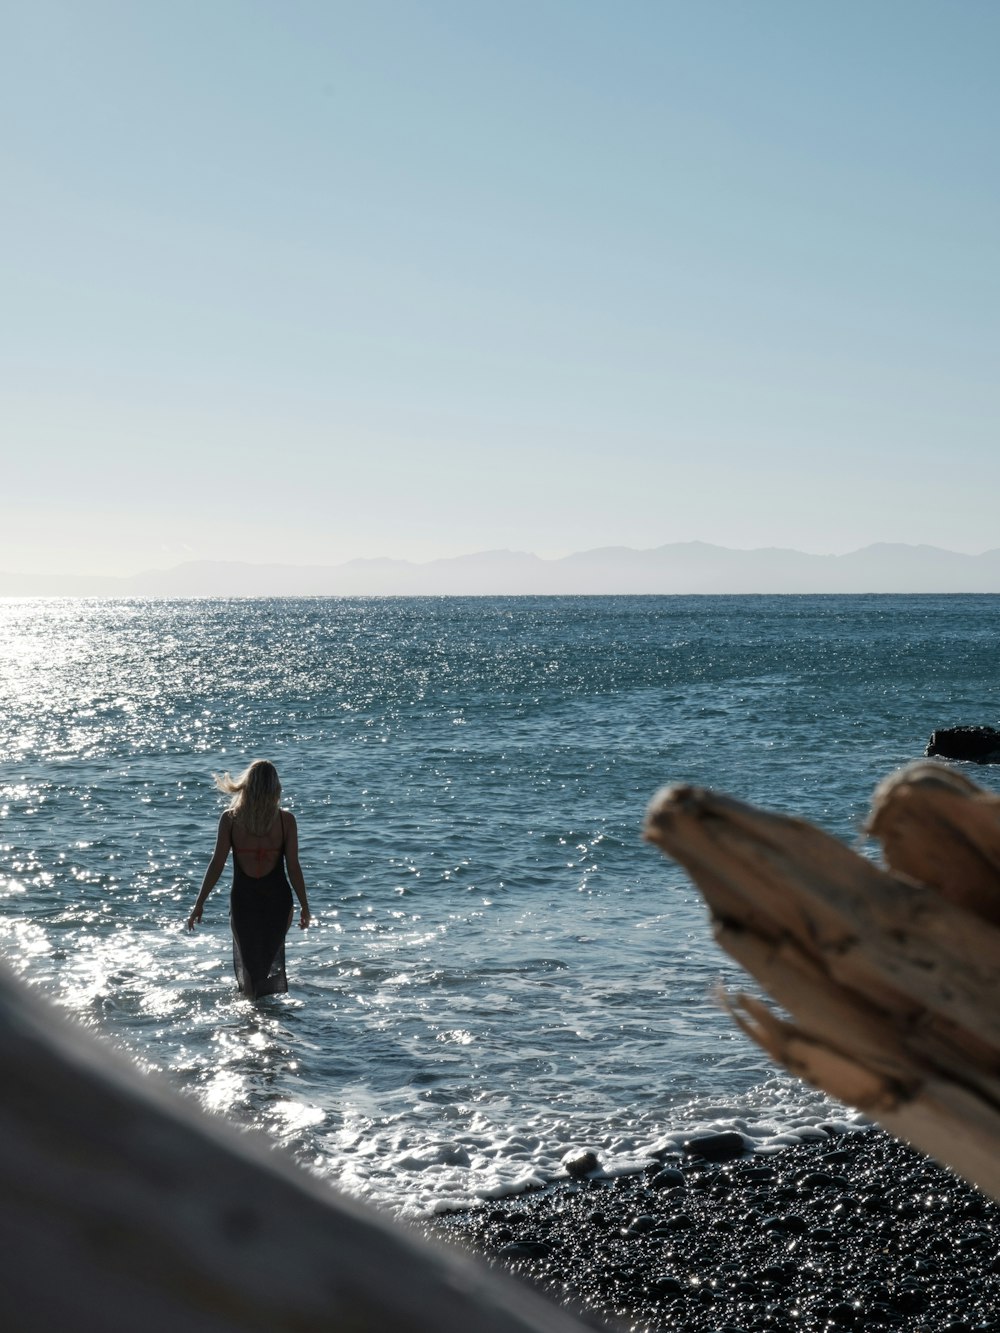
x,y
264,841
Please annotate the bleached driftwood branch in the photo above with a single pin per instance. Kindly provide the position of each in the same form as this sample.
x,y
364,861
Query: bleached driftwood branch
x,y
890,979
122,1207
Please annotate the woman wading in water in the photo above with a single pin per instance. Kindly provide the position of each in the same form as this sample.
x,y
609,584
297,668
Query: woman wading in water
x,y
265,841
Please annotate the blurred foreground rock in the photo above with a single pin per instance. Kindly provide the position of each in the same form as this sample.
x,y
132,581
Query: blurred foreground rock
x,y
889,978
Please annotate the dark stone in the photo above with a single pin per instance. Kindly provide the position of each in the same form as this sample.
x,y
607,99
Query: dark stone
x,y
667,1286
981,745
816,1180
757,1174
787,1223
668,1179
778,1277
646,1222
822,1235
910,1300
525,1249
842,1313
679,1222
722,1147
581,1166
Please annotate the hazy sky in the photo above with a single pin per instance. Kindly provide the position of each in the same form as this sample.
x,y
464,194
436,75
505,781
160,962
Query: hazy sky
x,y
302,281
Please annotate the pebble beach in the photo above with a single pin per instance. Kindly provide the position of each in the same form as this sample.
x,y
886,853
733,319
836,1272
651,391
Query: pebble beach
x,y
850,1231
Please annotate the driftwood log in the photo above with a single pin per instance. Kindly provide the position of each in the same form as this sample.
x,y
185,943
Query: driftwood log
x,y
889,979
124,1208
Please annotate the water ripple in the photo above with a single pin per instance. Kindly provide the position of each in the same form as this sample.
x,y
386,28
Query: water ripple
x,y
499,970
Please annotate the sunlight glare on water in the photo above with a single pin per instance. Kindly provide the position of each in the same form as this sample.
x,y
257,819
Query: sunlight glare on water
x,y
499,969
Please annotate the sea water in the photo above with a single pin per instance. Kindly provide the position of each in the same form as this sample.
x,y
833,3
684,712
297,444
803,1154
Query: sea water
x,y
500,970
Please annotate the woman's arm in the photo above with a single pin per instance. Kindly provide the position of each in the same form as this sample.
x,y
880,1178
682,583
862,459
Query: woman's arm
x,y
295,876
215,867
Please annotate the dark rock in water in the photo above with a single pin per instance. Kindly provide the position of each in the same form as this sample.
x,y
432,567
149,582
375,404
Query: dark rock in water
x,y
981,745
721,1147
668,1179
581,1166
646,1222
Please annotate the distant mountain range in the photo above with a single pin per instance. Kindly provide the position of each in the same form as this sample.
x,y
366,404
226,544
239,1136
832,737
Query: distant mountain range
x,y
682,567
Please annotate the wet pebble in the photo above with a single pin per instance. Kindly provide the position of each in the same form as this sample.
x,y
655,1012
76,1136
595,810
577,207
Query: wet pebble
x,y
525,1249
788,1223
581,1164
669,1178
721,1147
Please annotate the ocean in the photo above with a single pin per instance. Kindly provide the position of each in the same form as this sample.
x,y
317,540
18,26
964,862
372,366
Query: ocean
x,y
500,970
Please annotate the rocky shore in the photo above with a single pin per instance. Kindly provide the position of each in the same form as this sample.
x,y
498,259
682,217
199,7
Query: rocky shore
x,y
854,1231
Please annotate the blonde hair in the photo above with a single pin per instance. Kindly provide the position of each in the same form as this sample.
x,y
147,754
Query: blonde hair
x,y
256,793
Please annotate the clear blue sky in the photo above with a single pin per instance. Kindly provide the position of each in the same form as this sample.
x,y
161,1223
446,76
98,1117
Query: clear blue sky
x,y
301,281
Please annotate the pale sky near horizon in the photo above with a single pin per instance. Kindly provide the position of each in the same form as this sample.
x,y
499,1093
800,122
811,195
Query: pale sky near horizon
x,y
305,281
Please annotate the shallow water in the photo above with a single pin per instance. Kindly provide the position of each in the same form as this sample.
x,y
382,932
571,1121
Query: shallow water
x,y
500,968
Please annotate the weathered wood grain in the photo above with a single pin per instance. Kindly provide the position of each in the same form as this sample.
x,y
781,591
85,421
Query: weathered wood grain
x,y
941,829
889,978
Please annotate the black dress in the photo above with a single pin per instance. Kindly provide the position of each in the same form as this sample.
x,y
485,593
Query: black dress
x,y
259,911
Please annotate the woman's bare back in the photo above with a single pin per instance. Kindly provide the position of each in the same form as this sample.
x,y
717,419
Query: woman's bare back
x,y
258,855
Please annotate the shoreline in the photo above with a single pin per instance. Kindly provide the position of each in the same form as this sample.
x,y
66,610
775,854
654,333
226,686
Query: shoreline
x,y
857,1231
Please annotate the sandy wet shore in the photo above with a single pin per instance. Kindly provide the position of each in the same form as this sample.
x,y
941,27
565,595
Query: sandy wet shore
x,y
853,1232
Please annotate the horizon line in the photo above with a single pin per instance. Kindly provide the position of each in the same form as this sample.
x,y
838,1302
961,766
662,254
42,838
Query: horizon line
x,y
498,551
